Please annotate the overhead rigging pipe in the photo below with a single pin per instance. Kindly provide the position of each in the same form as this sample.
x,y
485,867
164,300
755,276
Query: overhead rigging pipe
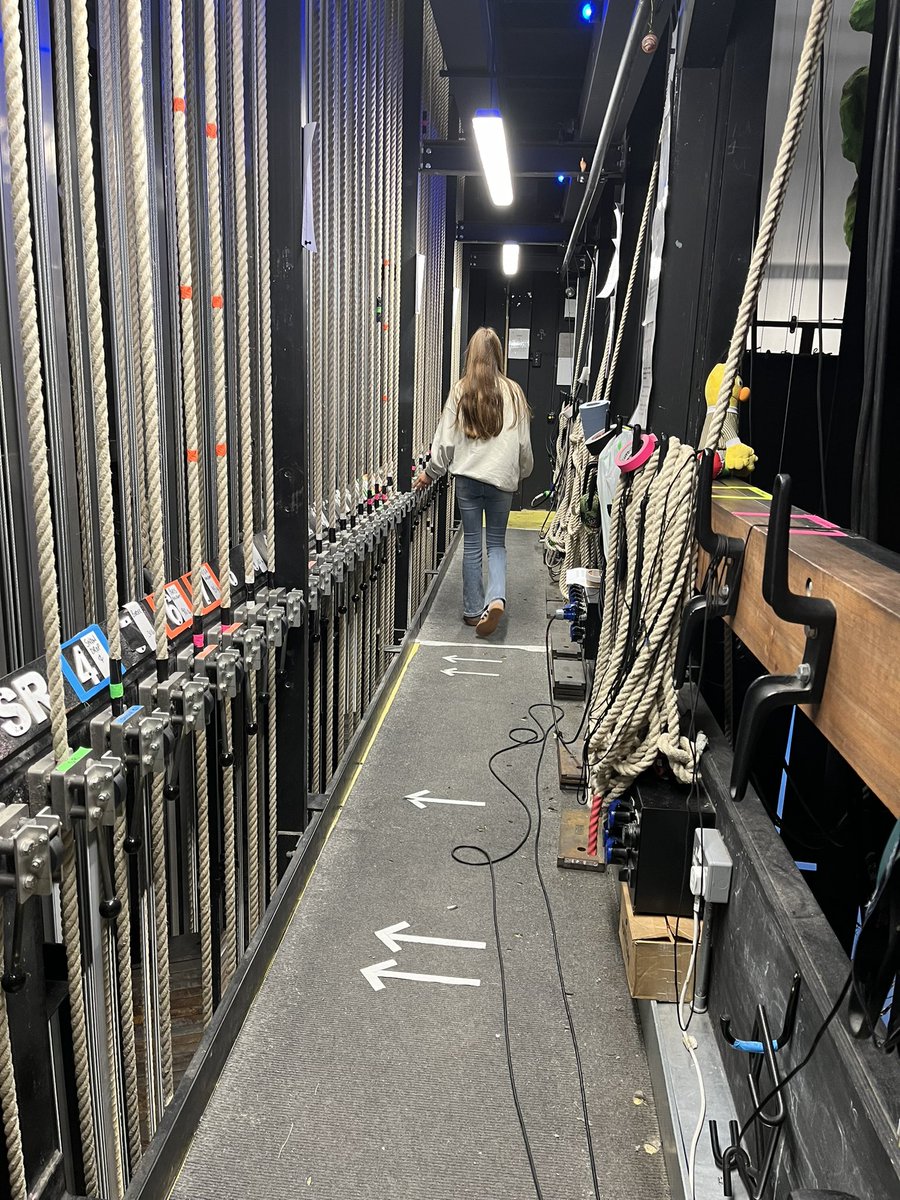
x,y
613,108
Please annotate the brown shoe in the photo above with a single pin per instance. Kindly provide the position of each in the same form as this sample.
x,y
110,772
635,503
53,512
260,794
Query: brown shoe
x,y
491,619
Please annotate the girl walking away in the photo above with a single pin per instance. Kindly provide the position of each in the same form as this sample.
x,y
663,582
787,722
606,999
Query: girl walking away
x,y
484,440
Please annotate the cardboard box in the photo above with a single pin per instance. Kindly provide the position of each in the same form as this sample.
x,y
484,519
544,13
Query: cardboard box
x,y
648,950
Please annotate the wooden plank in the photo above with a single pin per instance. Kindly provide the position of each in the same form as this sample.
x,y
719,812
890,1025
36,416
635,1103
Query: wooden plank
x,y
571,767
572,847
859,708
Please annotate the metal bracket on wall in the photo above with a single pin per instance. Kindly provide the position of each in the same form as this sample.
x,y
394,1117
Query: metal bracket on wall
x,y
818,616
721,550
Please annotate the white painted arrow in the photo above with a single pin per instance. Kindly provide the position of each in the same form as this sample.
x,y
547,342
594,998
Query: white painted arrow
x,y
392,937
420,799
379,971
457,658
451,671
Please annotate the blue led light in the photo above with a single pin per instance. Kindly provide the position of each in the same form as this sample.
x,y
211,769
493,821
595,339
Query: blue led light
x,y
587,11
560,179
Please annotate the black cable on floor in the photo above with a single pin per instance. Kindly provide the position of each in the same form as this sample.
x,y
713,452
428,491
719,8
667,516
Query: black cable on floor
x,y
520,737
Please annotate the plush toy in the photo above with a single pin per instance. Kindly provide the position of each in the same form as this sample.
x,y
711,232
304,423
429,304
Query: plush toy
x,y
734,457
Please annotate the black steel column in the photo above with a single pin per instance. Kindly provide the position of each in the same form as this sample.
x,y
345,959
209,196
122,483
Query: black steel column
x,y
287,83
449,374
409,214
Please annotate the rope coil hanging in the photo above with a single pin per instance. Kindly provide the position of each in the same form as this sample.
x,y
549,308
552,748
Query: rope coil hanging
x,y
634,709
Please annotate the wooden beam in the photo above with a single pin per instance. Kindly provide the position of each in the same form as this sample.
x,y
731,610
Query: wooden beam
x,y
860,706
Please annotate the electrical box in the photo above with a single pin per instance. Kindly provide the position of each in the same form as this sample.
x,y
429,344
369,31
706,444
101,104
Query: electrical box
x,y
653,843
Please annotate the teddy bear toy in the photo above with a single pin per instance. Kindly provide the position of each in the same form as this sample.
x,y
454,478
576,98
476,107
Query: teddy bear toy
x,y
733,457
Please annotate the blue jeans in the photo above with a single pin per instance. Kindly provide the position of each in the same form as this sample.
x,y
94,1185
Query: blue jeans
x,y
474,499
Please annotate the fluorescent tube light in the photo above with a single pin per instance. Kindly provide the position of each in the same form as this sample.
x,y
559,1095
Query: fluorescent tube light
x,y
510,258
490,137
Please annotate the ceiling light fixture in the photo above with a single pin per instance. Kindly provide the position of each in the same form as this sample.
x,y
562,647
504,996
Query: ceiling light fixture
x,y
490,137
510,258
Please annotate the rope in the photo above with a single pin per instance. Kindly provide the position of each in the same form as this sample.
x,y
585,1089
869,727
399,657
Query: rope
x,y
229,935
112,1054
9,1105
126,992
217,298
161,917
204,885
765,240
47,586
635,262
268,446
633,709
74,972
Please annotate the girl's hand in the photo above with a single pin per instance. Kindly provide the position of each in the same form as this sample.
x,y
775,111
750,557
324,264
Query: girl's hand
x,y
421,481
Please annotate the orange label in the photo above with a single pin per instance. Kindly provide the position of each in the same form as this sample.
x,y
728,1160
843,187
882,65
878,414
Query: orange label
x,y
179,105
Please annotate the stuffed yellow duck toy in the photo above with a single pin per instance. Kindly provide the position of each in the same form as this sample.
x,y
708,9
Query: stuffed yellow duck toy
x,y
734,457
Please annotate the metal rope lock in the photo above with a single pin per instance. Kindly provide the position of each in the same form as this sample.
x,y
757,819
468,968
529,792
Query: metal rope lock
x,y
32,853
141,742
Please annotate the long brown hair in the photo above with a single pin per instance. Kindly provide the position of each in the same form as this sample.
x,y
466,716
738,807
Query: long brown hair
x,y
480,392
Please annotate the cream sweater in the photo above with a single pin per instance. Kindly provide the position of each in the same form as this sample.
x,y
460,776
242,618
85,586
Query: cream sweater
x,y
504,460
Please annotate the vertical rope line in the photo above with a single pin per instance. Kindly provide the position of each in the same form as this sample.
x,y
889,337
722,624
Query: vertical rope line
x,y
268,449
107,949
635,263
242,295
138,172
201,768
90,257
765,240
217,296
126,992
9,1103
195,459
139,178
245,405
229,935
47,586
74,972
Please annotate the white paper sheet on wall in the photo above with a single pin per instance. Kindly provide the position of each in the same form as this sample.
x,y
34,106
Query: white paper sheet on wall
x,y
519,343
564,359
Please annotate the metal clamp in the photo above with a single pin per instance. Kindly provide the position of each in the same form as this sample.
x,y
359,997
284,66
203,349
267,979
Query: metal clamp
x,y
31,846
807,684
721,550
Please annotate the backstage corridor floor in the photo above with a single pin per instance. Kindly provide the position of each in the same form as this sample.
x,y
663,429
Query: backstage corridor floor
x,y
373,1061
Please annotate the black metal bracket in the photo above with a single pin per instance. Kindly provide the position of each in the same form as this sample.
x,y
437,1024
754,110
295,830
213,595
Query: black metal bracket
x,y
727,551
787,1029
807,684
735,1158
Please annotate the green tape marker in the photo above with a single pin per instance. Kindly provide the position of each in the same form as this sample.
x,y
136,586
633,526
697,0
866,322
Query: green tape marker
x,y
73,758
117,690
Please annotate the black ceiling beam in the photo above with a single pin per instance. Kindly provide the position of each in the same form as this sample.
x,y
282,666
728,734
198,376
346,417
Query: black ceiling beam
x,y
606,53
538,161
496,232
464,28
